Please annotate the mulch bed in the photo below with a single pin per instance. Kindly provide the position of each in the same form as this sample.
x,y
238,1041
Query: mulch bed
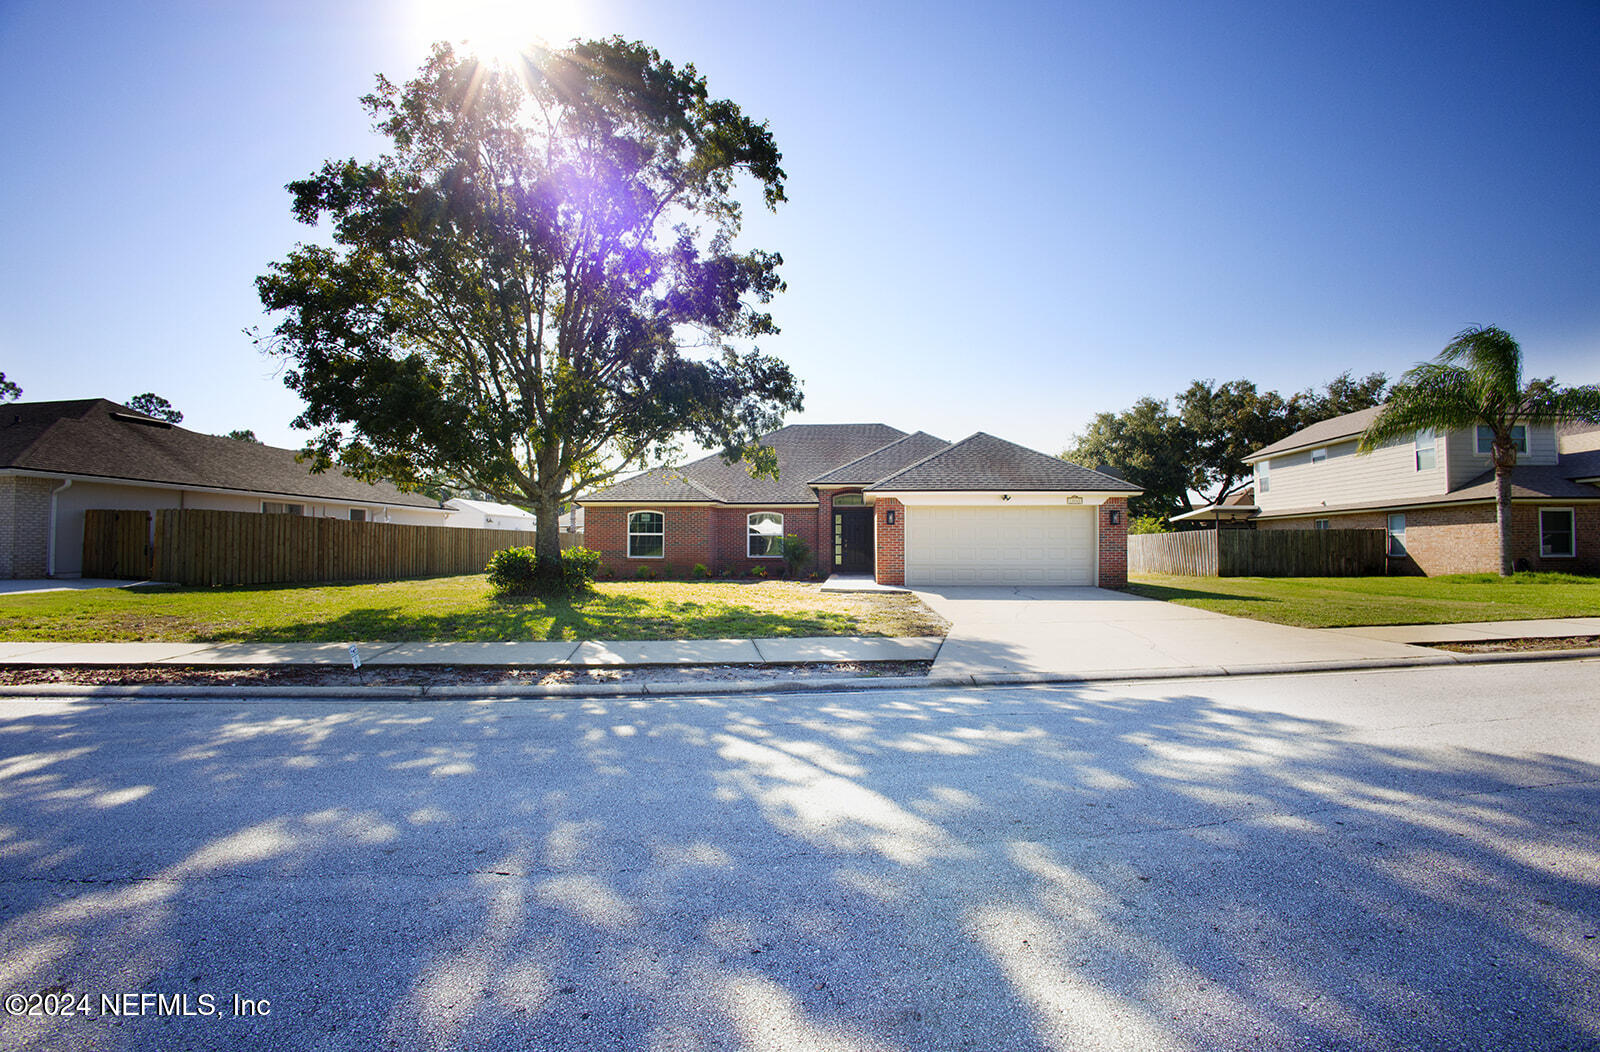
x,y
439,675
1498,646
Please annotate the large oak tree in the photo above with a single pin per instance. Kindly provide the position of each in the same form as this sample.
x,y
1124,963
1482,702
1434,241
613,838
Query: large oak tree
x,y
537,287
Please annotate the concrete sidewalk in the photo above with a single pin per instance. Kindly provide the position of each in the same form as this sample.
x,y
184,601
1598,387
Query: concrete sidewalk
x,y
803,650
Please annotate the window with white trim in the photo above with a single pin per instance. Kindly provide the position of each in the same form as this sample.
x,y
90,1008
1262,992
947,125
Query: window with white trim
x,y
1397,535
765,535
1427,451
1263,477
273,507
647,535
1319,455
1519,439
358,514
1319,524
1557,538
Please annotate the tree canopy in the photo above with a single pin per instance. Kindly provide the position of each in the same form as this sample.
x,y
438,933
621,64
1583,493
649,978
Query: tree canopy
x,y
154,405
537,287
1476,381
1198,442
9,391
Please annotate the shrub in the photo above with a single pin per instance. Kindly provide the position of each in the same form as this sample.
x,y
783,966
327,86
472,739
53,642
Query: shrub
x,y
646,573
757,571
1148,524
578,568
699,571
513,571
796,554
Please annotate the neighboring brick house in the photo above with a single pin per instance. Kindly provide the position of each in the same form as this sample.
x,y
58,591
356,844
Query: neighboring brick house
x,y
58,459
870,499
1434,494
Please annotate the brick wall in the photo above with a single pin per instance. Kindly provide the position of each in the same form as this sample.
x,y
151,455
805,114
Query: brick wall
x,y
716,537
889,545
24,525
1114,544
1465,539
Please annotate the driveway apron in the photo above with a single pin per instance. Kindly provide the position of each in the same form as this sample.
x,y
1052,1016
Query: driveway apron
x,y
1079,631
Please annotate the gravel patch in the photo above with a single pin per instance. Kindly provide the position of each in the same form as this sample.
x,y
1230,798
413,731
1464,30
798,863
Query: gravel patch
x,y
1501,646
442,675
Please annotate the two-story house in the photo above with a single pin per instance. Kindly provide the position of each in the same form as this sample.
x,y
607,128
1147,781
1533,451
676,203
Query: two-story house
x,y
1434,494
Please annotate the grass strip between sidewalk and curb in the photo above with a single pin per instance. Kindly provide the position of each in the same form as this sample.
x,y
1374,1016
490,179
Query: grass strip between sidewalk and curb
x,y
70,692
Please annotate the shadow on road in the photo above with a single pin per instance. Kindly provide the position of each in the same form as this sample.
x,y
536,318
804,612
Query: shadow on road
x,y
1058,869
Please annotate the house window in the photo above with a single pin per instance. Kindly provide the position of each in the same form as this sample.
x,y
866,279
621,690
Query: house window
x,y
1556,533
1319,524
1263,478
1397,535
1318,456
647,535
766,535
1427,451
847,500
272,507
1519,439
358,514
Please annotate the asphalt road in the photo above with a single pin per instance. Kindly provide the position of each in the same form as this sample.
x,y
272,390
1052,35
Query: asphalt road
x,y
1401,860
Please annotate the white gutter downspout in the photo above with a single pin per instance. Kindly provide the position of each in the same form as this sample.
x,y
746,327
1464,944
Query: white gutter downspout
x,y
50,542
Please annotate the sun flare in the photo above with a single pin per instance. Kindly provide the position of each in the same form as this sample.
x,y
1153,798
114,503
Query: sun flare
x,y
499,30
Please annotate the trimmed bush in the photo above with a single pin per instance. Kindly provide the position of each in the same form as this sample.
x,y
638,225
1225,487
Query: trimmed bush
x,y
796,554
578,568
646,573
513,571
699,571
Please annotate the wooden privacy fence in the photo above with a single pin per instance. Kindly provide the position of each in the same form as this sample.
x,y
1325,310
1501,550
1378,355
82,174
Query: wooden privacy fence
x,y
1259,553
194,547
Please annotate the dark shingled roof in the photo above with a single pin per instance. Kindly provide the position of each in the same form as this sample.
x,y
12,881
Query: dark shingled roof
x,y
984,462
100,439
882,463
804,452
1322,433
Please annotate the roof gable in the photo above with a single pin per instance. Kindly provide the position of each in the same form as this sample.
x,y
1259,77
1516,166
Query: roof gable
x,y
984,462
804,451
881,463
1322,433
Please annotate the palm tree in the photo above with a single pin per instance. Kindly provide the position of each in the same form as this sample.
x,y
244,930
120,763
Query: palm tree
x,y
1476,381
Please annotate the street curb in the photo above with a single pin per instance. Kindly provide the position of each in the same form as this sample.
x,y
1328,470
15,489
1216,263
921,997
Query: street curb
x,y
796,685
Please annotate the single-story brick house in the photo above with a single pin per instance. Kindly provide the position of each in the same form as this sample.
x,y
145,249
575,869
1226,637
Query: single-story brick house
x,y
1434,494
58,459
907,509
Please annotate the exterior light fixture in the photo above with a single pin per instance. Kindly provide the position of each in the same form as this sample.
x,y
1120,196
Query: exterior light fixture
x,y
1116,516
888,516
1005,496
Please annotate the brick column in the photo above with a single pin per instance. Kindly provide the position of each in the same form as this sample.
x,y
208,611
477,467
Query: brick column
x,y
890,542
1114,544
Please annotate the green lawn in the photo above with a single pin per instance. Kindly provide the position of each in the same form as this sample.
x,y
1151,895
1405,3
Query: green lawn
x,y
1335,602
460,609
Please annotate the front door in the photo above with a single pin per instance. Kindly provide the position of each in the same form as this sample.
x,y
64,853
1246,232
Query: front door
x,y
852,540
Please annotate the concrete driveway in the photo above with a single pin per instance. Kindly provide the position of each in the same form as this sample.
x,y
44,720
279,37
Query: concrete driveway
x,y
1055,632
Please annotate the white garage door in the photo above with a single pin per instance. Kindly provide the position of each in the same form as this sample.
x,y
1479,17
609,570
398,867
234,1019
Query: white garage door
x,y
1017,545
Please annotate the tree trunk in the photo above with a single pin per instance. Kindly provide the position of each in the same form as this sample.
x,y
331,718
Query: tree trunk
x,y
1502,509
547,536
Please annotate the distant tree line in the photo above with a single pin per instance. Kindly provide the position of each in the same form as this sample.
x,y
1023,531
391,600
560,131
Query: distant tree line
x,y
1197,441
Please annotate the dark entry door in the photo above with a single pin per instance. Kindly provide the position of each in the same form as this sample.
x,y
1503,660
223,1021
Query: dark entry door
x,y
852,540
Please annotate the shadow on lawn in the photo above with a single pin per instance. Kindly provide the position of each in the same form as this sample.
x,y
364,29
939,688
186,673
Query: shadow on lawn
x,y
522,619
1169,593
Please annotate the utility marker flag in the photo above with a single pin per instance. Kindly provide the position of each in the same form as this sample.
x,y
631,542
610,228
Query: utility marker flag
x,y
355,658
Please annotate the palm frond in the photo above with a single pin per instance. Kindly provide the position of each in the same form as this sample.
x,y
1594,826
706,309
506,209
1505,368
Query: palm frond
x,y
1544,402
1430,397
1491,355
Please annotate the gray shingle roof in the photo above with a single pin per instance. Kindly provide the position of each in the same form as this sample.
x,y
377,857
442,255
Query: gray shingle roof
x,y
1322,433
984,462
882,463
804,451
101,439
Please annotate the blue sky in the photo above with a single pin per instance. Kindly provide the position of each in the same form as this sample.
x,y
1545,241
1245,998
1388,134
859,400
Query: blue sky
x,y
1002,217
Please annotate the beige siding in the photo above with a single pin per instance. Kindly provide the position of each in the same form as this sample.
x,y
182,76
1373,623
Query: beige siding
x,y
1466,463
1387,473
